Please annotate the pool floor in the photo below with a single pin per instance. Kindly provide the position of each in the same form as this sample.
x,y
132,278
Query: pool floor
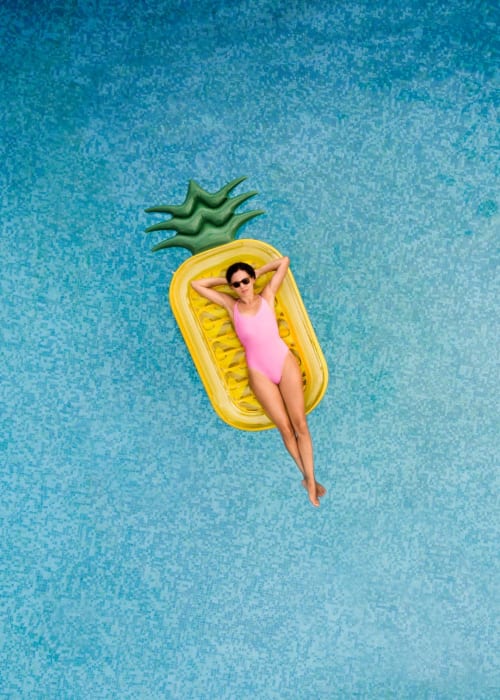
x,y
148,549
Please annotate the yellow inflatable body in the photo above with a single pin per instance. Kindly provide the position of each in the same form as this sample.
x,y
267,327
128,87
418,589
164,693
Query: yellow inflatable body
x,y
215,348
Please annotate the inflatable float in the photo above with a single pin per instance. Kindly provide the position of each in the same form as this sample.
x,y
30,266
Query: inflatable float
x,y
207,225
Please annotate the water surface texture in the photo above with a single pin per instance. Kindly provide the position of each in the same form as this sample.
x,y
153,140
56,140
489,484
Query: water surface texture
x,y
150,551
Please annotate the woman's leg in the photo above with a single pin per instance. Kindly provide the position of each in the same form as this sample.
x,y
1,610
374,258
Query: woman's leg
x,y
272,401
292,392
269,397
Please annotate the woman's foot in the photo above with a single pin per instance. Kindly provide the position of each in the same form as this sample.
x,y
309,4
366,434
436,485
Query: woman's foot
x,y
320,490
312,490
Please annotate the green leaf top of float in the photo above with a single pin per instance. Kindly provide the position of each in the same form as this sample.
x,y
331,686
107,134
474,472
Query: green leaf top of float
x,y
204,220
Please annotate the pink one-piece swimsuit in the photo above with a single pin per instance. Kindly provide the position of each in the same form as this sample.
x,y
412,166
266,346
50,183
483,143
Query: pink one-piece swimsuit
x,y
265,351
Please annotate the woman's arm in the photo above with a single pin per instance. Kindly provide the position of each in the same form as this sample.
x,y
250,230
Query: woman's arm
x,y
205,287
280,267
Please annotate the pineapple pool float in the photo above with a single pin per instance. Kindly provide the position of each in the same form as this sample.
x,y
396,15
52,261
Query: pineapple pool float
x,y
206,224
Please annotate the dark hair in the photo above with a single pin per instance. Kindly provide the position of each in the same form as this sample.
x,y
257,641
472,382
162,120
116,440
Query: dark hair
x,y
239,266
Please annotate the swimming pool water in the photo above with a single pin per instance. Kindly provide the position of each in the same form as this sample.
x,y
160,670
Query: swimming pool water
x,y
148,549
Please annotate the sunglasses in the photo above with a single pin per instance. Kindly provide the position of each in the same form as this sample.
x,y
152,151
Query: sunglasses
x,y
245,281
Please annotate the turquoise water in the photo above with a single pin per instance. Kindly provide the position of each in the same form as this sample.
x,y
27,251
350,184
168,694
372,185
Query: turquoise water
x,y
149,550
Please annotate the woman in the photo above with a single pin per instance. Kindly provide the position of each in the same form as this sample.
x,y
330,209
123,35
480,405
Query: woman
x,y
273,371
